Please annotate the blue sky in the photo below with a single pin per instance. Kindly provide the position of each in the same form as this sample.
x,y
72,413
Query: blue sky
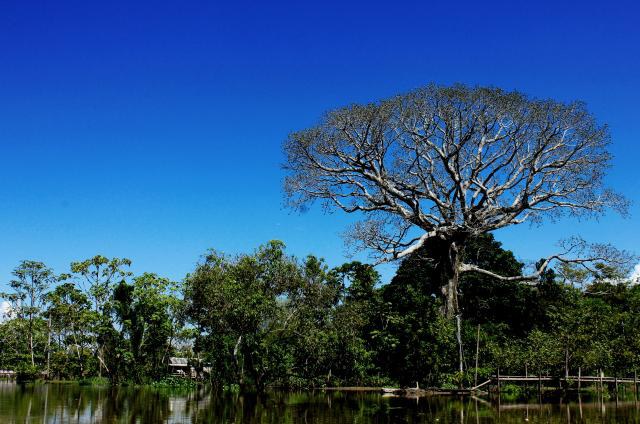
x,y
153,130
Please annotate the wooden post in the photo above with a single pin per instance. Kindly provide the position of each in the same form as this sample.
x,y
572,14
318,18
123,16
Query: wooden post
x,y
579,378
616,382
475,374
601,386
635,383
498,375
539,382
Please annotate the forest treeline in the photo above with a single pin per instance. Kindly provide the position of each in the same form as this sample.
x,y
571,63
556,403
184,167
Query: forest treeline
x,y
269,319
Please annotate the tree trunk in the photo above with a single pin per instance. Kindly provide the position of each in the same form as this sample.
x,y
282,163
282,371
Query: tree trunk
x,y
459,338
475,374
236,351
33,362
451,276
75,339
100,362
49,348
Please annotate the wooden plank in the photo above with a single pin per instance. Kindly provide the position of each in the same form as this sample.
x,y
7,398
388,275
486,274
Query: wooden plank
x,y
480,385
579,377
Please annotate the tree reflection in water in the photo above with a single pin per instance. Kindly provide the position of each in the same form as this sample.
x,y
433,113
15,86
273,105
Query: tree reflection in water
x,y
70,403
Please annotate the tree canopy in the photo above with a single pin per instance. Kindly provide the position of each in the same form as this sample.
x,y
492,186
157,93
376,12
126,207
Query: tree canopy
x,y
266,318
451,163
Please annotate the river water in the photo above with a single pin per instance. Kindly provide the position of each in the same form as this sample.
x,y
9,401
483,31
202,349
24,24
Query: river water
x,y
71,403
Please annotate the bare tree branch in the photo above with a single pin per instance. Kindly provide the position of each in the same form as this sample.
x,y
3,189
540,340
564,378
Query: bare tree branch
x,y
576,252
451,162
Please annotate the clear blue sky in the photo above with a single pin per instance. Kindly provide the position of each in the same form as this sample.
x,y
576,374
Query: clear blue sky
x,y
153,130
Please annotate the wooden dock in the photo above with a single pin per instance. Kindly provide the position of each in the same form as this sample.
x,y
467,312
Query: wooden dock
x,y
494,383
573,379
564,382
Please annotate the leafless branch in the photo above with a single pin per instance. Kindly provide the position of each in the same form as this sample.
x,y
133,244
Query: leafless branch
x,y
451,160
453,163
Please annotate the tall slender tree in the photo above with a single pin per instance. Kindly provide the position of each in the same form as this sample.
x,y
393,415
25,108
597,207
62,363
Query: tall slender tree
x,y
70,312
97,276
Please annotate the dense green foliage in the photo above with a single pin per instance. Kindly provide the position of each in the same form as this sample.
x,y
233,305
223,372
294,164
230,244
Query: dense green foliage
x,y
270,319
91,323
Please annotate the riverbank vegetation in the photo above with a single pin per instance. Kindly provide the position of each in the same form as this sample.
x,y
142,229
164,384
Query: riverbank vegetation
x,y
430,176
270,319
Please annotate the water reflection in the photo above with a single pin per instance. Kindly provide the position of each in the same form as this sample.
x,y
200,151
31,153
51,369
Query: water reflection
x,y
70,403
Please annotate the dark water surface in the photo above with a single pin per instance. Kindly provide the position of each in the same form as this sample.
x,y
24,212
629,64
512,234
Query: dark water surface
x,y
71,403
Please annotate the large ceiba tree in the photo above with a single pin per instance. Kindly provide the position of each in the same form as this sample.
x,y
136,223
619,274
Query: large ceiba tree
x,y
451,163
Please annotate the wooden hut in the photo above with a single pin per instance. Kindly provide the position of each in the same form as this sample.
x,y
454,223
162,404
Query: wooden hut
x,y
181,367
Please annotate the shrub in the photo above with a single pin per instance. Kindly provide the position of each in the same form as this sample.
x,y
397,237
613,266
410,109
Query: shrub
x,y
173,382
26,373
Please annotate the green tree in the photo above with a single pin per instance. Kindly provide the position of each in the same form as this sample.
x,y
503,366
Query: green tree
x,y
146,311
97,276
308,335
70,313
416,342
32,280
358,319
237,303
442,165
15,346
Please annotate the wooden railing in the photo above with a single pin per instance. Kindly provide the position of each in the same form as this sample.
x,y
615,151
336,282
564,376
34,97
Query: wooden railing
x,y
575,380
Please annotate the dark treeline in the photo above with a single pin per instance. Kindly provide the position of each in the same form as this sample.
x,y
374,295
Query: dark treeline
x,y
270,319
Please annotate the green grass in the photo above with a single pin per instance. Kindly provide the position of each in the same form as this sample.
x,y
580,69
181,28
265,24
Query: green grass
x,y
94,381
